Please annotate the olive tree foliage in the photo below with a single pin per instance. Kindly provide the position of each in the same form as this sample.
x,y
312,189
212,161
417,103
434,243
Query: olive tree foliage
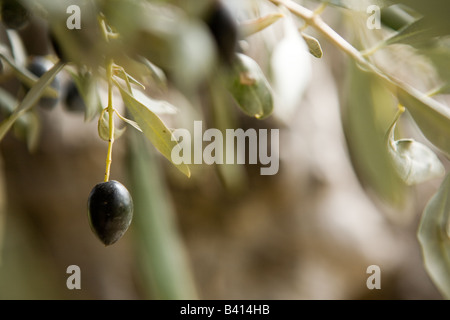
x,y
191,45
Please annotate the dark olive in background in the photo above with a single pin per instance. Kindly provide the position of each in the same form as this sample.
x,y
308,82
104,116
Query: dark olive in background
x,y
14,14
39,65
110,211
224,29
73,100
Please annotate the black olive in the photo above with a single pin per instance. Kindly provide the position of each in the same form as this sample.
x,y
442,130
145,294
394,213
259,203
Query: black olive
x,y
110,211
14,14
73,101
224,30
38,66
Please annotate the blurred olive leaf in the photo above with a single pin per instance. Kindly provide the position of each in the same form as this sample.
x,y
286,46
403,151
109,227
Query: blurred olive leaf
x,y
356,5
291,69
87,87
251,27
434,238
432,118
397,16
250,88
365,135
415,162
26,77
313,45
31,98
153,128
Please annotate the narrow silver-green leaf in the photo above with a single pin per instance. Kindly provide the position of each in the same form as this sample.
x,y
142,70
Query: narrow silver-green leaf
x,y
154,129
26,77
432,117
125,76
250,88
313,45
251,27
435,240
31,98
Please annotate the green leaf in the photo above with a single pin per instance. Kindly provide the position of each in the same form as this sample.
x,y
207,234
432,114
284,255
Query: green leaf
x,y
103,127
356,5
364,129
152,126
26,77
416,33
314,45
432,117
128,78
251,27
434,238
397,16
31,98
250,88
87,87
415,162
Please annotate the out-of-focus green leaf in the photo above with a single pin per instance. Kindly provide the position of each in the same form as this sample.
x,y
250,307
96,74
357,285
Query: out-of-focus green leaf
x,y
180,46
26,77
128,78
250,88
415,34
435,239
432,118
415,162
156,73
365,134
313,45
251,27
397,17
154,129
161,255
291,69
31,98
357,5
87,87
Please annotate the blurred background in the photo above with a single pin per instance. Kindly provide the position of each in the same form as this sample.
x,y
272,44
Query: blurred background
x,y
308,232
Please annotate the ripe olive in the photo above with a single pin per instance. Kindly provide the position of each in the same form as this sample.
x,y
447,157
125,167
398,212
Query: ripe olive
x,y
39,65
224,29
73,101
110,210
14,14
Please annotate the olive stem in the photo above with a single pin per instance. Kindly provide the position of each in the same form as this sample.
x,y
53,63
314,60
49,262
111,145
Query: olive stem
x,y
110,110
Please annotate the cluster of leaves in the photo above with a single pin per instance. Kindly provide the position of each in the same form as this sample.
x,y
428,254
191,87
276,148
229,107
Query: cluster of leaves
x,y
387,165
190,44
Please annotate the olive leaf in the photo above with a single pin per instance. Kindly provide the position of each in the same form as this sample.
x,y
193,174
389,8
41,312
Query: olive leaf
x,y
365,136
415,162
26,77
31,98
120,72
251,27
434,238
291,70
250,88
432,117
103,127
314,45
87,87
153,128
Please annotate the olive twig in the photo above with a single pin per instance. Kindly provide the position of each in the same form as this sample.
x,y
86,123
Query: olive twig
x,y
110,110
